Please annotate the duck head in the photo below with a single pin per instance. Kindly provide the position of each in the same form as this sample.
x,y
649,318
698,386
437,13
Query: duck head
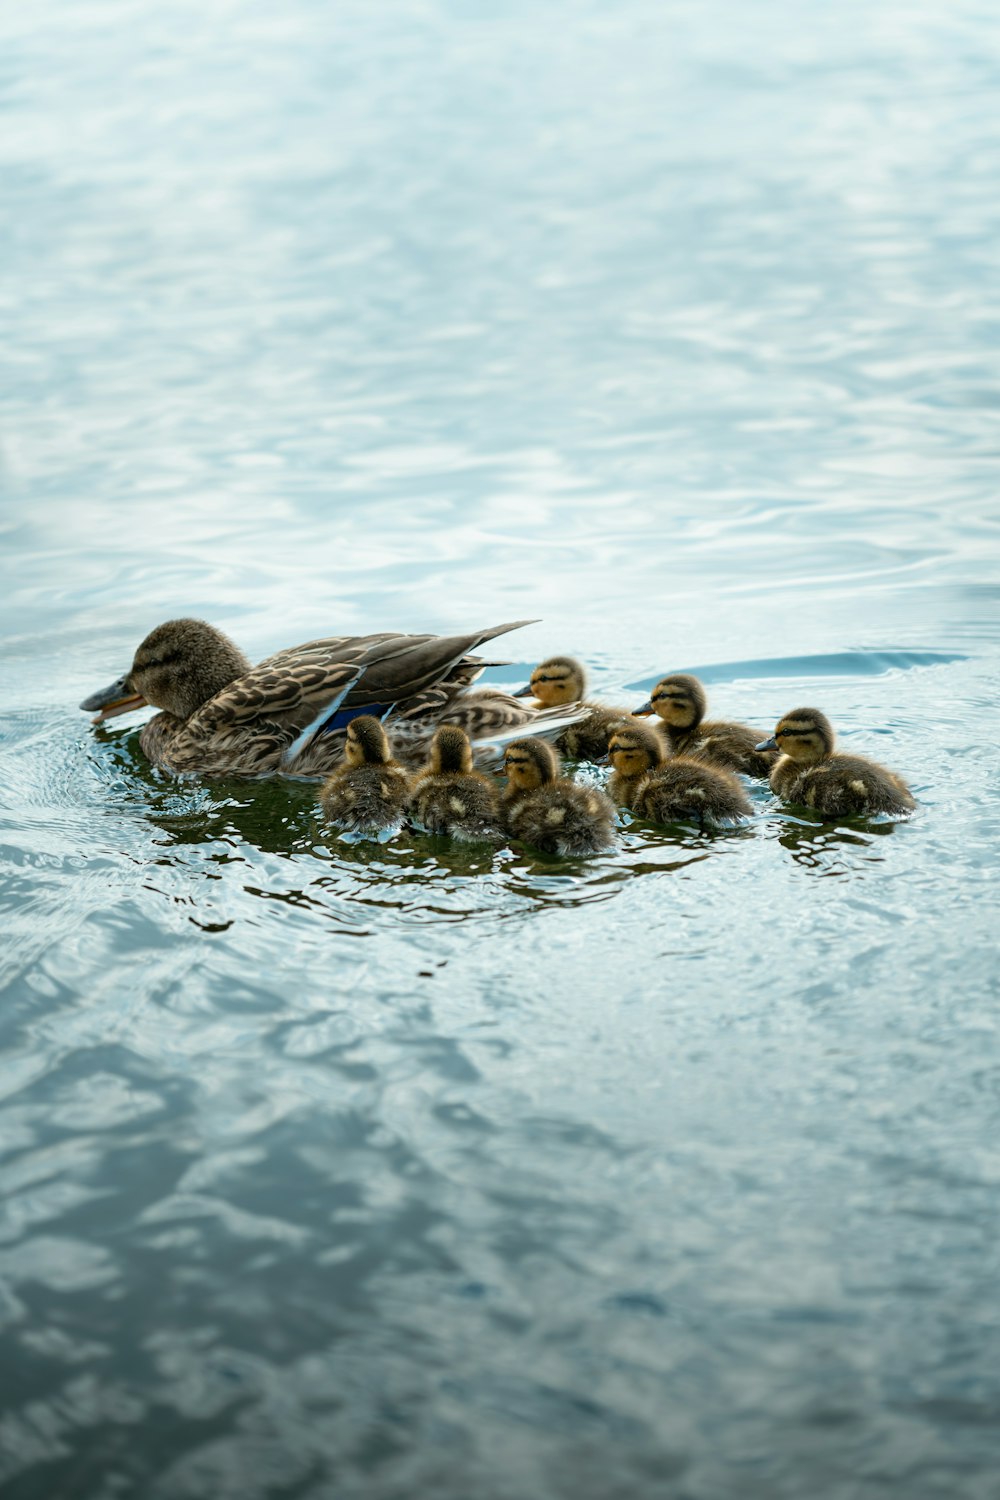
x,y
529,764
634,749
678,700
805,735
451,750
559,680
178,667
367,743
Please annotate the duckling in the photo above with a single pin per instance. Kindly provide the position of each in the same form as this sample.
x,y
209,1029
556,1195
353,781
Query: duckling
x,y
451,798
635,750
368,791
680,702
549,811
561,680
674,790
839,786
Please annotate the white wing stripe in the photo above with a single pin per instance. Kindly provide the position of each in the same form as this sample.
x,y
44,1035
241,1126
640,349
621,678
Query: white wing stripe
x,y
302,740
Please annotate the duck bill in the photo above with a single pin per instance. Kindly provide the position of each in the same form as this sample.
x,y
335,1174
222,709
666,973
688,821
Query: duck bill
x,y
643,712
771,744
112,701
524,692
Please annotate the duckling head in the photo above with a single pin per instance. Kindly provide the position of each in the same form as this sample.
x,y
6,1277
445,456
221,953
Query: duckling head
x,y
634,749
451,750
805,735
529,764
559,680
679,700
367,743
178,667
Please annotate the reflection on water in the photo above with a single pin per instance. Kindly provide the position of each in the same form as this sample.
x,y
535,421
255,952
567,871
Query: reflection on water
x,y
350,1168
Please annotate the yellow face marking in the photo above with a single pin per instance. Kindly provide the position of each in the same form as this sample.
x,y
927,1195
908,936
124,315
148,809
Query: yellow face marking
x,y
552,688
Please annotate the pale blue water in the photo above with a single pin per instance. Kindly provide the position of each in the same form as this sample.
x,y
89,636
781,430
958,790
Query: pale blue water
x,y
335,1171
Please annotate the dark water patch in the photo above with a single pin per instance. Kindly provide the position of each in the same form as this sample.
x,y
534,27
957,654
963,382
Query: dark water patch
x,y
829,664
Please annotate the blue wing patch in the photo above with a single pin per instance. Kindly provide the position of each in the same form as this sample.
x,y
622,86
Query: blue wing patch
x,y
323,723
343,717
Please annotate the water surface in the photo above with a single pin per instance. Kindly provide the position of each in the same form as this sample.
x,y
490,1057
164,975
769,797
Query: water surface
x,y
372,1170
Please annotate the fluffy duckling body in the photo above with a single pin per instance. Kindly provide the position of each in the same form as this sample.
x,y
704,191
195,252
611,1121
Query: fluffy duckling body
x,y
369,791
680,702
839,786
673,790
549,811
562,680
449,797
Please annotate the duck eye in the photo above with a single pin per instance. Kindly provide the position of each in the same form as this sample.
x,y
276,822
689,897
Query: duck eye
x,y
156,661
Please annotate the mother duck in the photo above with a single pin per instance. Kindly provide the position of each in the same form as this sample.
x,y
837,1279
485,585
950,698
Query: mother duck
x,y
222,716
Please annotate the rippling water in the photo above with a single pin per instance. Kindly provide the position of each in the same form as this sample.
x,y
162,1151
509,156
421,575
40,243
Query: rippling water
x,y
337,1170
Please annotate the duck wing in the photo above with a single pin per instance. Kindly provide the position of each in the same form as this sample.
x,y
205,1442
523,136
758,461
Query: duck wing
x,y
415,675
395,667
249,728
287,696
495,728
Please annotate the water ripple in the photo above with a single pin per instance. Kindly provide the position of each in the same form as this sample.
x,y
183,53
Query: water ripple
x,y
382,1170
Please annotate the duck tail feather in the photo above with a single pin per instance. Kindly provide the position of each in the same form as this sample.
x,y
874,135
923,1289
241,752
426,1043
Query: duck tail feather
x,y
548,724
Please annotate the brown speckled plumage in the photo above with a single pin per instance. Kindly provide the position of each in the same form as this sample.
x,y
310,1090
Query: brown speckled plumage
x,y
222,716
